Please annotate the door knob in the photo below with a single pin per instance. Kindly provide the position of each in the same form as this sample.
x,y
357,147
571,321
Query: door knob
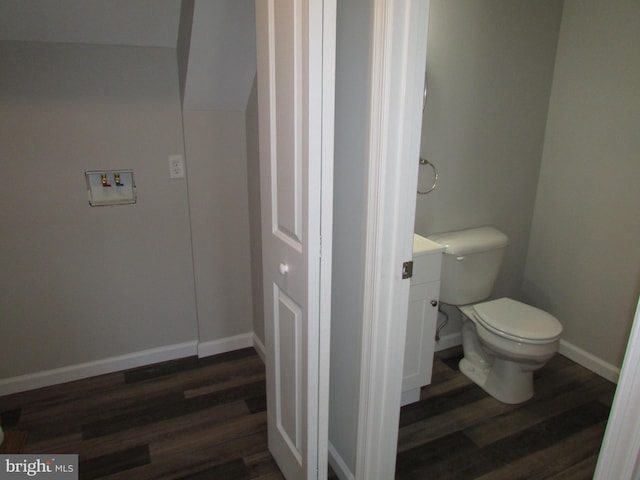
x,y
434,303
284,268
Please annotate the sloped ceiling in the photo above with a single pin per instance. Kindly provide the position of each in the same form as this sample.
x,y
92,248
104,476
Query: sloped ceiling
x,y
222,58
148,23
222,55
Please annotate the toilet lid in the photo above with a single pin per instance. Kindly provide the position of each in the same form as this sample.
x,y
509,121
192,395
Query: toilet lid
x,y
518,321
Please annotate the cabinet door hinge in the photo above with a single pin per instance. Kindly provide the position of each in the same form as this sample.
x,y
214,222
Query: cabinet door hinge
x,y
407,270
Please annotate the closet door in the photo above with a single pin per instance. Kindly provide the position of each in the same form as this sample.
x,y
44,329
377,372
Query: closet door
x,y
296,48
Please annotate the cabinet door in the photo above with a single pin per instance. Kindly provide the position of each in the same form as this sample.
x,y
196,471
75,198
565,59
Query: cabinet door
x,y
421,332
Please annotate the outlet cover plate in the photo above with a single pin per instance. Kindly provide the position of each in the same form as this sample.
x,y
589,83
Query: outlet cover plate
x,y
176,166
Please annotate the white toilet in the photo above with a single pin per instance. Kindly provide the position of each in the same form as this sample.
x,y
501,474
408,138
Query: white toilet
x,y
503,340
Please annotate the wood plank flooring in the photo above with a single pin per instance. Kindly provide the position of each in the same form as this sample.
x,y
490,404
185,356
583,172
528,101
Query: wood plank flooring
x,y
206,419
456,431
185,419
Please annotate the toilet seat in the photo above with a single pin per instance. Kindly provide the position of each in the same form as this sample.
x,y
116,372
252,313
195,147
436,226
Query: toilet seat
x,y
517,321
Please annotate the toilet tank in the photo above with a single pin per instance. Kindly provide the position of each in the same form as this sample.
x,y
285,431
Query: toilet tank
x,y
470,264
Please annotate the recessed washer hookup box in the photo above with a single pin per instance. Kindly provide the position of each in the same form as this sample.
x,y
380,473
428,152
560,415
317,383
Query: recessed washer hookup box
x,y
111,187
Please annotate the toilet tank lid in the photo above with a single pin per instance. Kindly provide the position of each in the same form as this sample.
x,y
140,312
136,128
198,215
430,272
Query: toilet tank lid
x,y
472,240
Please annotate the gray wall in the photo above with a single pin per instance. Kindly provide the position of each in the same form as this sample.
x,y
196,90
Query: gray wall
x,y
585,251
253,181
101,282
221,66
349,213
79,283
183,43
489,71
218,201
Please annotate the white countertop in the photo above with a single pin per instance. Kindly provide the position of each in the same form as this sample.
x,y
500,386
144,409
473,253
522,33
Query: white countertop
x,y
424,245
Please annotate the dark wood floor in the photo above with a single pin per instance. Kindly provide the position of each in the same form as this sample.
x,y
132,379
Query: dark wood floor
x,y
205,419
457,431
185,419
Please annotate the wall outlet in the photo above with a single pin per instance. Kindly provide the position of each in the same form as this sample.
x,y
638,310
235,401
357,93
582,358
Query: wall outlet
x,y
176,166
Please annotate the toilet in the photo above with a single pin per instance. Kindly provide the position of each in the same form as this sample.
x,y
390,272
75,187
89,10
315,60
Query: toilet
x,y
504,341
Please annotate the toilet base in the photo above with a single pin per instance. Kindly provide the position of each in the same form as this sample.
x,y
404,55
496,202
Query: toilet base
x,y
504,380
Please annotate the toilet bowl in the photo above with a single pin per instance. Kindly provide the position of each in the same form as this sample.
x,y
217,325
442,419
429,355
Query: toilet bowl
x,y
504,342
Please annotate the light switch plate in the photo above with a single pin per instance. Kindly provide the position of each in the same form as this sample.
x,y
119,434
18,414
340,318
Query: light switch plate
x,y
176,166
110,187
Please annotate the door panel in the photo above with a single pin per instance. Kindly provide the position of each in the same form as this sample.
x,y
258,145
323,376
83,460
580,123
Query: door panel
x,y
288,322
286,177
295,100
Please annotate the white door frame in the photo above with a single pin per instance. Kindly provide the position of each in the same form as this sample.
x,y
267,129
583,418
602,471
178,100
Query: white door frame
x,y
328,9
620,453
397,75
398,61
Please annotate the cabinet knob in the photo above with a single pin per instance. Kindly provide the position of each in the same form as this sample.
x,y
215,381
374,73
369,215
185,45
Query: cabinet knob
x,y
434,303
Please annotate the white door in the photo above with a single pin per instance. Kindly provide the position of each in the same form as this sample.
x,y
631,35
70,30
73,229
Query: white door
x,y
296,51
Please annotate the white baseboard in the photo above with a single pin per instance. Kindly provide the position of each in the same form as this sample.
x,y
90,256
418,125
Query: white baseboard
x,y
244,340
410,396
47,378
260,348
578,355
338,464
587,360
79,371
448,341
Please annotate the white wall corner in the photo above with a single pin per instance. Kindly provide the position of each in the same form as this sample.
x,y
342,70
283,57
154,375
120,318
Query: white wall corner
x,y
338,464
79,371
587,360
227,344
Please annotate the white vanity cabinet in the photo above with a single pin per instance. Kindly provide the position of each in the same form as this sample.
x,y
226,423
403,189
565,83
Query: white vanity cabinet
x,y
422,317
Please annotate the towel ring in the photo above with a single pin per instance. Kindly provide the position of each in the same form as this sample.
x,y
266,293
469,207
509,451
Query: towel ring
x,y
424,161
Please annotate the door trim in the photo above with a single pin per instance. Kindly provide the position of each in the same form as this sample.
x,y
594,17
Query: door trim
x,y
620,453
379,400
397,80
328,10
